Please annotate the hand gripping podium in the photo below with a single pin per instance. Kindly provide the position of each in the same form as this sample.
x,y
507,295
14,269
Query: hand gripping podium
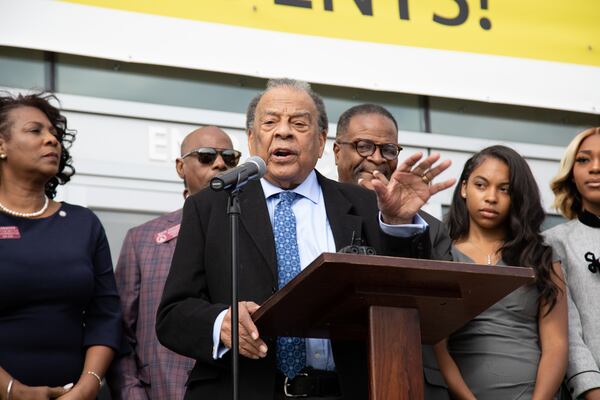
x,y
394,303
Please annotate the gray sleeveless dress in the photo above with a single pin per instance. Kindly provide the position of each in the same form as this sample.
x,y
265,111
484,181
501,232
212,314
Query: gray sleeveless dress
x,y
498,352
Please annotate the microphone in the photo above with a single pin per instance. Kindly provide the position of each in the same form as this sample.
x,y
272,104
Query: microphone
x,y
235,178
358,246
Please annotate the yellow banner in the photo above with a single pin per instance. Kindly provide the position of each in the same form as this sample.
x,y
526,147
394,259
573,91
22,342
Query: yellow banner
x,y
563,31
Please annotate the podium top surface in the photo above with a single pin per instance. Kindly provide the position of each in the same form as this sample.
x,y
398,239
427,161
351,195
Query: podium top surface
x,y
331,297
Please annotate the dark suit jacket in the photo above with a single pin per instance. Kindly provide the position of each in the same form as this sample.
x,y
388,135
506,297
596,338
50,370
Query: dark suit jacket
x,y
198,285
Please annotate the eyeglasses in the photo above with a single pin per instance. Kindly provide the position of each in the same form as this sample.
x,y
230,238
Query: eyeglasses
x,y
208,155
366,148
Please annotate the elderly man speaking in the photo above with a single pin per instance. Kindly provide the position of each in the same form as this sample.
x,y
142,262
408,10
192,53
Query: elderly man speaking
x,y
288,218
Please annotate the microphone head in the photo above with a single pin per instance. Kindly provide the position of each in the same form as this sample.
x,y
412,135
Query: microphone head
x,y
254,168
260,164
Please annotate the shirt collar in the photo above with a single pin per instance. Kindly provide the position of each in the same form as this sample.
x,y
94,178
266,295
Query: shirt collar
x,y
589,219
309,188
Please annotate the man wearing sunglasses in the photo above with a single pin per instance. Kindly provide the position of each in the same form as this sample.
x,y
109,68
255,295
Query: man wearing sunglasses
x,y
288,218
367,141
206,159
151,371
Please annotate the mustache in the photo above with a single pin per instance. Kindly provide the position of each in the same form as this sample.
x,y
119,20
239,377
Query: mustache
x,y
383,168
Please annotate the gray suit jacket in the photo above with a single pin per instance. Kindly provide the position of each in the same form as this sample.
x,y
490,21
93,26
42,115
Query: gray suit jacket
x,y
570,242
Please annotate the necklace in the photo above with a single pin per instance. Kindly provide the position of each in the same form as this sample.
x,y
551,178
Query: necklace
x,y
27,215
491,258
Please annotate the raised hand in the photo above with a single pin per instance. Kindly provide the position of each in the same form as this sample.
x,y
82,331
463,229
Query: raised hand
x,y
409,187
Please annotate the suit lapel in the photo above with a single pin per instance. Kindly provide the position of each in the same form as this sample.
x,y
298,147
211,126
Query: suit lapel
x,y
255,220
173,219
339,213
175,216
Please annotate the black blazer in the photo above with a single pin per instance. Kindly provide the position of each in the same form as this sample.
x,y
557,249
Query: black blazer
x,y
198,286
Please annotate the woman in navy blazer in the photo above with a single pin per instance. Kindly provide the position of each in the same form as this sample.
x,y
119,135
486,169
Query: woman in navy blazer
x,y
59,308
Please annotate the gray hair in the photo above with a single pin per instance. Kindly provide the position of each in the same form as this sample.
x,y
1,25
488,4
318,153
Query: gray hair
x,y
292,84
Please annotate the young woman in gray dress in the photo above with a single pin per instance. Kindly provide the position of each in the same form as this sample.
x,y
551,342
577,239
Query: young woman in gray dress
x,y
517,349
577,245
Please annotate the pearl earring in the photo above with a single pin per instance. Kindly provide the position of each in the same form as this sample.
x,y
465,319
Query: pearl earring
x,y
2,156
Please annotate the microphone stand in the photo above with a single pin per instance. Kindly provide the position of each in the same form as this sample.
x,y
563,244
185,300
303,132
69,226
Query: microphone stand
x,y
241,175
234,211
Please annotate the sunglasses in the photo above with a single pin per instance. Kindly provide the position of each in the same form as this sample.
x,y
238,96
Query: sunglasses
x,y
366,148
208,155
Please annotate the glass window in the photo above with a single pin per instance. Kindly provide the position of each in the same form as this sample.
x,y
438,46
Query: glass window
x,y
506,122
22,68
404,107
154,84
116,224
552,220
207,90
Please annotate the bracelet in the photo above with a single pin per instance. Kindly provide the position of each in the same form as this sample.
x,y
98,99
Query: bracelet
x,y
9,389
95,376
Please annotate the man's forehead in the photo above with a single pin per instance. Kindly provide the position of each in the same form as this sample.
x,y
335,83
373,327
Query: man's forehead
x,y
372,126
285,111
206,137
372,119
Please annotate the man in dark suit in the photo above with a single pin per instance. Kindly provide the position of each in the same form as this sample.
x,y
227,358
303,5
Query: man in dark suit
x,y
150,371
366,141
287,127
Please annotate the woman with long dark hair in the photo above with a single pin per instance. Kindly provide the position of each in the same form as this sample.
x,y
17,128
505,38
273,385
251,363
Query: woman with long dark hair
x,y
576,244
516,349
59,307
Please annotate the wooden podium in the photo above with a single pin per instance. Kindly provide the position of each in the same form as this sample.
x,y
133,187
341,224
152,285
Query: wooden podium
x,y
394,303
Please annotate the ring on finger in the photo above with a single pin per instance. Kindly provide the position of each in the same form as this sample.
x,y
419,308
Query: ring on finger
x,y
425,178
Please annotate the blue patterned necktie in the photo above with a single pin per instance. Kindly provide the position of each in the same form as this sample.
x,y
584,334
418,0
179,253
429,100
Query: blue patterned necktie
x,y
291,351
